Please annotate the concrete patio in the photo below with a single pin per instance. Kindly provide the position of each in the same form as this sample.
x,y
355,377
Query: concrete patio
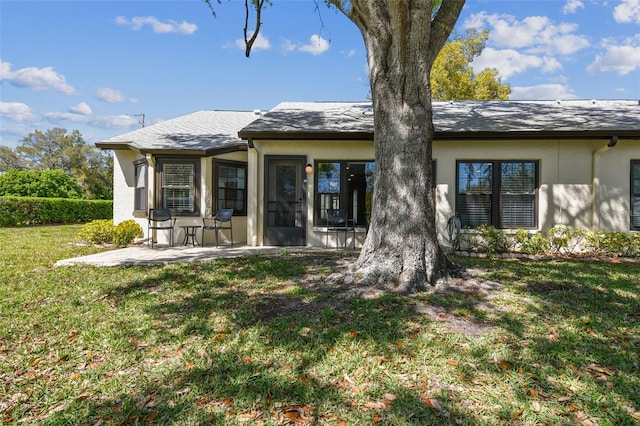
x,y
160,255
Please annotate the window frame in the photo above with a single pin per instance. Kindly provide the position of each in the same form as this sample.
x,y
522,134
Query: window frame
x,y
216,189
633,196
495,193
140,195
343,195
160,164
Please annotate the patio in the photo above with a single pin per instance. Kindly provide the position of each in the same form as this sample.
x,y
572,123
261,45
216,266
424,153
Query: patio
x,y
139,255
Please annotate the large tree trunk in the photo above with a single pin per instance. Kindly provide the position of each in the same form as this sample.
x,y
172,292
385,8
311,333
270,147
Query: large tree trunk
x,y
401,251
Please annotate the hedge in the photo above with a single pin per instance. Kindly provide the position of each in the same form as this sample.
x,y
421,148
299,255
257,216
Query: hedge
x,y
22,211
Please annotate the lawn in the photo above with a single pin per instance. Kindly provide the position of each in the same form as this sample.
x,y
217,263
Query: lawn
x,y
264,340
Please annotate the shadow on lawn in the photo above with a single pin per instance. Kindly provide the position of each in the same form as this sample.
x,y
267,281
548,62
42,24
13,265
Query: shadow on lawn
x,y
257,346
581,319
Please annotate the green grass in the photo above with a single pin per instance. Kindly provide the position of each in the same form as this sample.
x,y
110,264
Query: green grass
x,y
260,340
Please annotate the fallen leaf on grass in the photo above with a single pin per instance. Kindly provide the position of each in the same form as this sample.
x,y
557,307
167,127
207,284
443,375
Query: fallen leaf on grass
x,y
432,402
582,418
298,413
390,396
452,362
375,405
504,364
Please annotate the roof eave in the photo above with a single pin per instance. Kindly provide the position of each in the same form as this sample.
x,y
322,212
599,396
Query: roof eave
x,y
448,135
301,135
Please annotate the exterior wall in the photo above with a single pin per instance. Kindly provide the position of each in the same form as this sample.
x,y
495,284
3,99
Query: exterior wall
x,y
207,209
612,186
123,195
572,173
313,150
123,184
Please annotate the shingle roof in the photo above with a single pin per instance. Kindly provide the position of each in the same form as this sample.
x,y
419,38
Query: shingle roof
x,y
456,119
201,133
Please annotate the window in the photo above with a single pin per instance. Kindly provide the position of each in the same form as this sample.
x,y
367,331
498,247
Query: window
x,y
230,183
635,194
178,190
498,193
140,187
344,185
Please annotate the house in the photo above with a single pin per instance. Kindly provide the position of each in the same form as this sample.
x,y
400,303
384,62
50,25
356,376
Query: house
x,y
511,164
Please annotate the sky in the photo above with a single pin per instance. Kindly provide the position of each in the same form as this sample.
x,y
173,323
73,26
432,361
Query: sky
x,y
99,66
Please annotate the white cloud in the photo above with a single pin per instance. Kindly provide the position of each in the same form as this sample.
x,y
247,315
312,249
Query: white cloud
x,y
533,34
81,108
35,78
349,53
136,23
261,42
316,46
572,6
106,121
16,111
627,11
617,59
509,62
106,94
541,92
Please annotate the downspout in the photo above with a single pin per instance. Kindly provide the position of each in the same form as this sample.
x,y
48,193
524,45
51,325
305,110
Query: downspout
x,y
595,181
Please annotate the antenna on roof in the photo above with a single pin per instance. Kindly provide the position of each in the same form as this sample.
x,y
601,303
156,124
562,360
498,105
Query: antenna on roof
x,y
141,121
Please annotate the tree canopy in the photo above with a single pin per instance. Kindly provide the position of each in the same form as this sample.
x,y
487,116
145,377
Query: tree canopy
x,y
39,183
55,149
453,78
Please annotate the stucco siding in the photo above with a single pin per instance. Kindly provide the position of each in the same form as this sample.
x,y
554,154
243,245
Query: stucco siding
x,y
313,150
123,187
570,175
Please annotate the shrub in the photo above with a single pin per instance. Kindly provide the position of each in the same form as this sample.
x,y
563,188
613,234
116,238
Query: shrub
x,y
531,243
563,239
491,240
99,231
126,232
21,211
610,243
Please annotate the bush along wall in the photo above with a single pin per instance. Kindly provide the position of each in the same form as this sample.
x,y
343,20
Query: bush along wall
x,y
560,240
24,211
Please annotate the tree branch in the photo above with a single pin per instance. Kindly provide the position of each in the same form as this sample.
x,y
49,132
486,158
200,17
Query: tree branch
x,y
443,22
248,42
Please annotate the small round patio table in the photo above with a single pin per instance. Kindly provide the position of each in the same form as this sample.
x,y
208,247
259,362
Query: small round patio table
x,y
190,232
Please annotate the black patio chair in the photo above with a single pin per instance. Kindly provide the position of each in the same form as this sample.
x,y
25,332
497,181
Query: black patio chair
x,y
338,221
222,220
160,219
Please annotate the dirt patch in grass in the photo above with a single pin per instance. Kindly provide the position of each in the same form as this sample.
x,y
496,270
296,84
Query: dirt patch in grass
x,y
472,288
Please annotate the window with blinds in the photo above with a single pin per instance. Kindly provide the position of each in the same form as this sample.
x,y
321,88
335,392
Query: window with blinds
x,y
635,194
178,185
231,187
498,193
